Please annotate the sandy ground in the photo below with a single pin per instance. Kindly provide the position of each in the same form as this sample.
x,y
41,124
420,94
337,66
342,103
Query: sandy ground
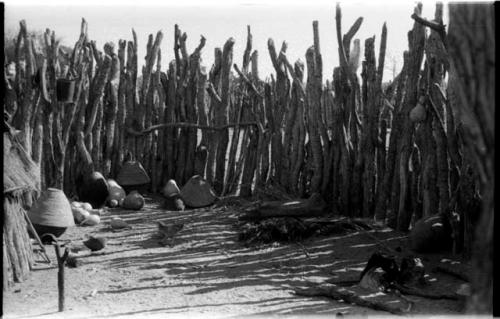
x,y
207,273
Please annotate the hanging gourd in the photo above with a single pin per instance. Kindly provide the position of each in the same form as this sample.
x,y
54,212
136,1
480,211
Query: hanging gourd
x,y
418,113
116,193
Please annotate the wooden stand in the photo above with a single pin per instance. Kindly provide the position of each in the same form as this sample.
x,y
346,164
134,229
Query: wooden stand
x,y
60,274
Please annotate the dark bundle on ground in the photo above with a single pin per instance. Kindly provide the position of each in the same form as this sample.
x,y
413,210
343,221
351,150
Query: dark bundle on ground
x,y
72,261
291,230
275,230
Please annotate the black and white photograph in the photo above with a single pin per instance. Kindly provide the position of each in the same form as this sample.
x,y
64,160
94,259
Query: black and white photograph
x,y
248,158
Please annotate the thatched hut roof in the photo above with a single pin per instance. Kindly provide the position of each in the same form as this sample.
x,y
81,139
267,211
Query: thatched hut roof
x,y
19,171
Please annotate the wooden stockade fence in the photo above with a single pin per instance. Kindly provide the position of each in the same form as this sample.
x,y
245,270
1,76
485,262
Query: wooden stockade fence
x,y
300,130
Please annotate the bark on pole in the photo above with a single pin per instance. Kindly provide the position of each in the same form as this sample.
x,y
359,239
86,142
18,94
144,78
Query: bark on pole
x,y
471,43
396,127
27,91
119,142
157,98
182,62
313,89
278,108
435,56
111,111
191,109
221,115
130,93
230,173
170,135
370,125
202,150
349,88
416,52
214,84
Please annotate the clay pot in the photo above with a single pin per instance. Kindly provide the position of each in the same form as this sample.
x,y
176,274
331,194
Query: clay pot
x,y
134,201
118,223
431,234
65,89
170,189
94,190
197,192
51,213
116,192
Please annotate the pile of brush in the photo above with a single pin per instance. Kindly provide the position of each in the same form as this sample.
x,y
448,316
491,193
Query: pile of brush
x,y
290,229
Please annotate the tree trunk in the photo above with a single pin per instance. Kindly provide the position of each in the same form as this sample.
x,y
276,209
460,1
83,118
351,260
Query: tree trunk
x,y
471,41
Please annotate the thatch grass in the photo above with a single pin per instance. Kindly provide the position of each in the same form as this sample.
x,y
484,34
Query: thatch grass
x,y
20,172
21,180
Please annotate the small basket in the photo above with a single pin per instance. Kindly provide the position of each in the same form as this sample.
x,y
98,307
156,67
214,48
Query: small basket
x,y
52,209
197,193
132,174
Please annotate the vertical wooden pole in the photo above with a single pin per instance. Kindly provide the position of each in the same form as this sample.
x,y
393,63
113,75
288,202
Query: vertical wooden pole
x,y
61,259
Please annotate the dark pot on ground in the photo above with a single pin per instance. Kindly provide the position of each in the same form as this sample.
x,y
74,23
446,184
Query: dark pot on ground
x,y
431,234
94,190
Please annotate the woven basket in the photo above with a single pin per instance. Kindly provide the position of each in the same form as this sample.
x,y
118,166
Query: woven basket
x,y
52,209
197,192
132,173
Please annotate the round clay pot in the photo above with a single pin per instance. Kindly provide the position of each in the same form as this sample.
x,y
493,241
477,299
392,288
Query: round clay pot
x,y
94,190
133,201
431,234
116,192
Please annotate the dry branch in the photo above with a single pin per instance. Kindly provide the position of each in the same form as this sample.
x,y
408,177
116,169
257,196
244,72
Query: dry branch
x,y
331,291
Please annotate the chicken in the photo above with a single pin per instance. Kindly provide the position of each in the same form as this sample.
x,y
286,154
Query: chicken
x,y
95,243
167,232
